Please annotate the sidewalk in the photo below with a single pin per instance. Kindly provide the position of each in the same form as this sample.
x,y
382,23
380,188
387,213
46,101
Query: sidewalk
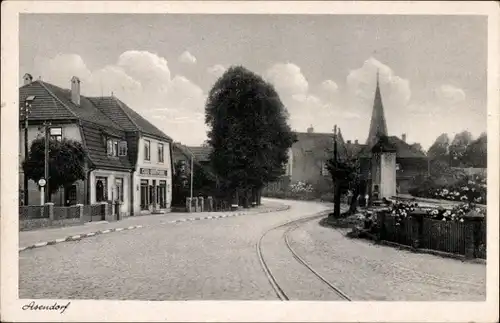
x,y
43,237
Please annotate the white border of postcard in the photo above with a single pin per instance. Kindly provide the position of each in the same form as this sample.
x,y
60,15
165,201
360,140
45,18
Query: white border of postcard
x,y
253,311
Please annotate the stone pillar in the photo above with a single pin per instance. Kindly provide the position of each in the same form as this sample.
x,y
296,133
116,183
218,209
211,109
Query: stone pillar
x,y
107,212
80,211
49,209
210,203
196,206
201,204
189,205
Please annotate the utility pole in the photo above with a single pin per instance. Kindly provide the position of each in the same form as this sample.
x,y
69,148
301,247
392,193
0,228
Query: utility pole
x,y
47,160
27,109
192,172
336,186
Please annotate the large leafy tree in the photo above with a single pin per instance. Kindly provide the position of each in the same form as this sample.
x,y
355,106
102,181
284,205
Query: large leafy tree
x,y
440,148
458,147
66,163
475,154
248,131
345,173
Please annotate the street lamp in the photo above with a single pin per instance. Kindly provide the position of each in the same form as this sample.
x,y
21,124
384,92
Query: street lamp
x,y
26,110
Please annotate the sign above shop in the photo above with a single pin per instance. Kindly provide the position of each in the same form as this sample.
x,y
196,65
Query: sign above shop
x,y
153,172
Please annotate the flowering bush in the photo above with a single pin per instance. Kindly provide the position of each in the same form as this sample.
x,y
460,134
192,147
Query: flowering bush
x,y
401,210
456,214
301,187
471,189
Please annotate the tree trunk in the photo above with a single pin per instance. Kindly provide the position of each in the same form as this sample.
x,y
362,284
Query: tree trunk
x,y
259,196
254,197
235,200
246,201
336,207
354,200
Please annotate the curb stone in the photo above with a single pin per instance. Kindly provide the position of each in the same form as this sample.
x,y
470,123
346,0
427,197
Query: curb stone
x,y
91,234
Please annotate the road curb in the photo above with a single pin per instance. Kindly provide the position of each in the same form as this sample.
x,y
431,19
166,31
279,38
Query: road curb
x,y
76,237
92,234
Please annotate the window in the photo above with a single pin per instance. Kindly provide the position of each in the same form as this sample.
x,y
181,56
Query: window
x,y
101,189
56,134
122,148
112,147
147,150
160,153
324,170
119,189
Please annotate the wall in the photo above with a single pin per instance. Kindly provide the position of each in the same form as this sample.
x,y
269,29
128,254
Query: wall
x,y
125,207
388,175
69,131
153,163
308,158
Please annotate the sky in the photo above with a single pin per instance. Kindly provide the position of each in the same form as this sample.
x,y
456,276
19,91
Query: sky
x,y
433,69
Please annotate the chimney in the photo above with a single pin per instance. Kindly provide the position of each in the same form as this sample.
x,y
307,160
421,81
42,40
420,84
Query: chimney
x,y
310,129
356,141
403,136
348,142
27,79
75,90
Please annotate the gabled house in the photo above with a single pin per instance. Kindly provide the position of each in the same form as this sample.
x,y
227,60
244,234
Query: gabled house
x,y
128,158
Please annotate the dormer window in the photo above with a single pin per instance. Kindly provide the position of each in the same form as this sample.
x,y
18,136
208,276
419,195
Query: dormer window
x,y
122,149
116,148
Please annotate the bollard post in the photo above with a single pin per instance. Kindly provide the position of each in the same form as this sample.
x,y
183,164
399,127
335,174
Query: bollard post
x,y
49,208
80,212
210,204
200,202
188,204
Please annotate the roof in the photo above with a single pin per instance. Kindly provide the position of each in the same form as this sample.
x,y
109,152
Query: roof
x,y
403,149
46,105
318,144
96,148
126,117
378,125
201,153
98,117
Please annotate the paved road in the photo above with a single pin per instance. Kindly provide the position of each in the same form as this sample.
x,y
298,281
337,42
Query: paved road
x,y
217,260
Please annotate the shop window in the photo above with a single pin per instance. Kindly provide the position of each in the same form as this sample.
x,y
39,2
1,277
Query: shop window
x,y
147,150
56,134
119,189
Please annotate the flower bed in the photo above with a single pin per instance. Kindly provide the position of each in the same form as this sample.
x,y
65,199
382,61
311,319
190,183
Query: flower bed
x,y
403,210
469,189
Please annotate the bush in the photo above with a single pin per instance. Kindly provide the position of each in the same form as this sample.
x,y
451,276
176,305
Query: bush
x,y
468,189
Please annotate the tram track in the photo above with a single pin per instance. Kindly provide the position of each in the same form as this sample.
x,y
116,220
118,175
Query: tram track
x,y
281,294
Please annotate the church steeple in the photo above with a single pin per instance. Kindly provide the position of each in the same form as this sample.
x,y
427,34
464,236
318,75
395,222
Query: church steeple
x,y
378,125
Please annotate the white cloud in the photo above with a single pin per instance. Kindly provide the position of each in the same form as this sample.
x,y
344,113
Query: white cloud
x,y
396,91
187,58
449,94
287,78
144,81
216,70
307,108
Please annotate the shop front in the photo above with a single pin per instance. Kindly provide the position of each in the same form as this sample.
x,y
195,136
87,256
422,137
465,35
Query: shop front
x,y
110,186
153,190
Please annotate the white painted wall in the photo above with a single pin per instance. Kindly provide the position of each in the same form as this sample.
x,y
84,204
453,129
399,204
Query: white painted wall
x,y
388,175
111,188
153,163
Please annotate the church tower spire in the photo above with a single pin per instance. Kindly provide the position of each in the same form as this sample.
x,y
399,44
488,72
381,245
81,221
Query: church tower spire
x,y
378,125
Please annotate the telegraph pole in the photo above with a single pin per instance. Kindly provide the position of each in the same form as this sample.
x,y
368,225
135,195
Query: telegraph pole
x,y
26,109
336,186
47,160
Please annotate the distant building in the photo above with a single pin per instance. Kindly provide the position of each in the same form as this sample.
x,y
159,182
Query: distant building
x,y
310,153
128,158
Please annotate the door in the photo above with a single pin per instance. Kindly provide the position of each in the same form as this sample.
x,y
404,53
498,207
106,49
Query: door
x,y
144,194
162,194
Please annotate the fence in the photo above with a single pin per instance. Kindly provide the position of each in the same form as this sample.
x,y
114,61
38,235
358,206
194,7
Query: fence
x,y
466,238
40,216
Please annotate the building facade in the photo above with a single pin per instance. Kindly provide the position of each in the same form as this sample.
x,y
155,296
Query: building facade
x,y
113,136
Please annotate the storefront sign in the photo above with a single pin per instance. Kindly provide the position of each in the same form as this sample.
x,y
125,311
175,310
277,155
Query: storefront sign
x,y
153,172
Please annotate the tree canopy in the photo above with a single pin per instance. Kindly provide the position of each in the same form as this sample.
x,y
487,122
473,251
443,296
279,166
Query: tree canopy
x,y
248,130
463,151
66,162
